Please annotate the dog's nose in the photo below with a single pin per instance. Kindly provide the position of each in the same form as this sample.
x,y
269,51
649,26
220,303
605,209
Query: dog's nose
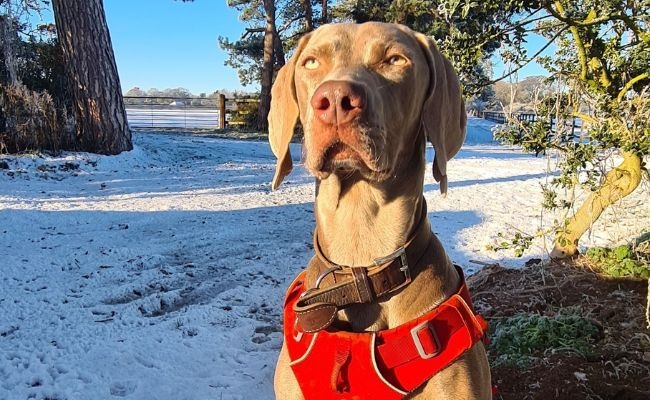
x,y
338,102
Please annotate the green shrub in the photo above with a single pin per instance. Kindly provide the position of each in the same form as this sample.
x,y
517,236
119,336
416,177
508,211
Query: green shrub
x,y
517,341
246,113
621,261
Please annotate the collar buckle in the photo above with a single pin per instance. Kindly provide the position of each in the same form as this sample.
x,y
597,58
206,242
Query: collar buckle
x,y
404,266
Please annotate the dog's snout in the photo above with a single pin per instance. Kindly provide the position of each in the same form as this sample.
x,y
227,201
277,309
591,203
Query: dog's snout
x,y
338,102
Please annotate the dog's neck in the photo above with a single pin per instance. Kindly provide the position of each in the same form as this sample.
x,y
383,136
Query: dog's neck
x,y
358,221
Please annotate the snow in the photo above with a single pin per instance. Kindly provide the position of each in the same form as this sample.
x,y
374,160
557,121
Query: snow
x,y
159,273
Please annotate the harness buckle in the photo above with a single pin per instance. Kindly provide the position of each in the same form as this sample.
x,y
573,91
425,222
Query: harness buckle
x,y
404,266
418,342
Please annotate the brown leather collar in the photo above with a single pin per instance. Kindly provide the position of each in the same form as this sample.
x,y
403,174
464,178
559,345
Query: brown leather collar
x,y
344,285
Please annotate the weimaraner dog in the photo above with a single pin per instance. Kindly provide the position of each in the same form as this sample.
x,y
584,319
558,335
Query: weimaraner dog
x,y
380,312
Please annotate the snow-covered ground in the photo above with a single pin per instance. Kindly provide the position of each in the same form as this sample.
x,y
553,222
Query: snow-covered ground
x,y
159,273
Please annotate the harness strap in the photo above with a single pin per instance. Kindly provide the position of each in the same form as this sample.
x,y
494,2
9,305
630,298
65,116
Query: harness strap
x,y
386,364
412,353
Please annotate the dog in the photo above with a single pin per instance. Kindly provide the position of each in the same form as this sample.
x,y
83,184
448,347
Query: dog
x,y
363,321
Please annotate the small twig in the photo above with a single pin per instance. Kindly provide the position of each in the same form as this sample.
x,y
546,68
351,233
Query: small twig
x,y
647,307
485,264
529,60
518,291
536,290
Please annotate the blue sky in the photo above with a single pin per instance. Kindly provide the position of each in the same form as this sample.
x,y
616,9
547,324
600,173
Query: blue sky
x,y
168,44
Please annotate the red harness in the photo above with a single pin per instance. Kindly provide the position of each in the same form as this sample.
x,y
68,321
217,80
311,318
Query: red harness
x,y
387,364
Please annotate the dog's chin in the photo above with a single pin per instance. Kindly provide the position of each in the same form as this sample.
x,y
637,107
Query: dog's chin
x,y
345,162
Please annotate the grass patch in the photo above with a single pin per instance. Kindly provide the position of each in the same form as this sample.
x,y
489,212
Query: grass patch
x,y
519,340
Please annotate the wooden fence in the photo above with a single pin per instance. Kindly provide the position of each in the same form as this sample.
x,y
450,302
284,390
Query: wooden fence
x,y
189,112
500,117
575,124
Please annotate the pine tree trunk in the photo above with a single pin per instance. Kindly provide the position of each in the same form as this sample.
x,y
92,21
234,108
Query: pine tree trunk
x,y
8,36
325,17
309,15
267,66
279,53
93,81
619,182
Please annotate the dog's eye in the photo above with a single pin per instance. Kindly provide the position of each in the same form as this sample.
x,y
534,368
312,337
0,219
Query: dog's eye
x,y
311,63
396,60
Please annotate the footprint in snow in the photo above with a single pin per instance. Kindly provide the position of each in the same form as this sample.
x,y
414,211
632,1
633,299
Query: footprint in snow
x,y
123,389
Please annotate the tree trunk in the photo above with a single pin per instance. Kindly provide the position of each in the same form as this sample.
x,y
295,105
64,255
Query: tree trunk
x,y
309,15
279,52
93,81
325,17
8,36
619,182
267,66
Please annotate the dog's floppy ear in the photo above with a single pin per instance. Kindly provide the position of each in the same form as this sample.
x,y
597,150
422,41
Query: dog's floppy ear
x,y
444,119
283,115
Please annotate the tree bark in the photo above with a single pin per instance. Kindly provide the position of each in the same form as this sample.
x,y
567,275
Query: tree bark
x,y
8,36
309,15
267,66
279,52
619,182
93,81
325,17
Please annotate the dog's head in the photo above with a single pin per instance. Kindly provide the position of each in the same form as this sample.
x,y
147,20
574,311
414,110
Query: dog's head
x,y
365,95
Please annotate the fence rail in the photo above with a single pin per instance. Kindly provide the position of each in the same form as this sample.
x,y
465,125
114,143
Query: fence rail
x,y
500,117
186,112
173,117
574,125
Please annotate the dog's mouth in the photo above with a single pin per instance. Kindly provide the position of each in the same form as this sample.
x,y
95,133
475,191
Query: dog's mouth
x,y
342,158
340,151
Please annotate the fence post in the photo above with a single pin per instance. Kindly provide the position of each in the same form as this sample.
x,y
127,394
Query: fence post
x,y
222,111
573,128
